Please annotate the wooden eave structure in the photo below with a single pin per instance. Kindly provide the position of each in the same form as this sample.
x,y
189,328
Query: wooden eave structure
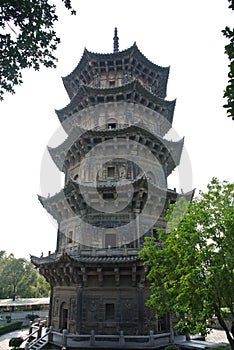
x,y
76,147
133,92
130,60
67,257
72,269
71,200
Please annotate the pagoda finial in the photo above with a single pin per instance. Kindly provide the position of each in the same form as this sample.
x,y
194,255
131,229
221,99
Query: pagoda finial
x,y
116,41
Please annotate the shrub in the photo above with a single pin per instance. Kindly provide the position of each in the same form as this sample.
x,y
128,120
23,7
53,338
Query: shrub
x,y
8,327
32,317
171,347
15,342
8,318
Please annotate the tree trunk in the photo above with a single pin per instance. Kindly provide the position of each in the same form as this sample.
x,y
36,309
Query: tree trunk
x,y
14,292
172,337
225,328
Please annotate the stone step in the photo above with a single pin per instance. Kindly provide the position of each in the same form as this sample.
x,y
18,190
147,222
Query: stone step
x,y
38,344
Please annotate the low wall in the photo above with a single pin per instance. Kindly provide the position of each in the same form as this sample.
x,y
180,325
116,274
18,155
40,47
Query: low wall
x,y
21,316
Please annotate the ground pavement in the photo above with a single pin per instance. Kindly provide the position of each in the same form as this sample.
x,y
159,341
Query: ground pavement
x,y
217,336
4,339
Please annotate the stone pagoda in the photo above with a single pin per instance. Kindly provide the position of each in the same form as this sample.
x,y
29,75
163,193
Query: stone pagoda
x,y
116,161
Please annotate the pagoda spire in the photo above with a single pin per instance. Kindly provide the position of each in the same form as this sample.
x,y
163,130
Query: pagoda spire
x,y
116,41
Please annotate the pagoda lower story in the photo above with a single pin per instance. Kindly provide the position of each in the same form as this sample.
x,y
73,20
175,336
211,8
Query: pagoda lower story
x,y
103,291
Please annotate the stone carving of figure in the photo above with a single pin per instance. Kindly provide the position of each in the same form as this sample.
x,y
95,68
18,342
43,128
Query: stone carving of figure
x,y
126,78
96,82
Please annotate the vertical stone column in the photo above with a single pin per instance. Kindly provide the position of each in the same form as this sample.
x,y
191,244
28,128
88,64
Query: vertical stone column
x,y
78,316
141,305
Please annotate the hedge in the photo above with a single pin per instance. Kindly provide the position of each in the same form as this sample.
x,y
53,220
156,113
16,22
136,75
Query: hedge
x,y
9,327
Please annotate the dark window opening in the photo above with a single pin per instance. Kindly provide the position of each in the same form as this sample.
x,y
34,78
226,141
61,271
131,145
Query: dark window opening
x,y
110,312
110,98
108,196
70,234
110,171
112,83
110,240
111,125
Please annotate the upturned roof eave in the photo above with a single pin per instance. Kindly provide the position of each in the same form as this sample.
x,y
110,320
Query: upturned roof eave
x,y
76,258
56,153
132,50
55,158
83,61
130,87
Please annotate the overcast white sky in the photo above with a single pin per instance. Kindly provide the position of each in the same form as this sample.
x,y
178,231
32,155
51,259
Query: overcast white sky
x,y
185,35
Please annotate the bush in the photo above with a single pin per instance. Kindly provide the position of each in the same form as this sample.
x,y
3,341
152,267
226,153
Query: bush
x,y
32,317
8,318
171,347
5,328
15,342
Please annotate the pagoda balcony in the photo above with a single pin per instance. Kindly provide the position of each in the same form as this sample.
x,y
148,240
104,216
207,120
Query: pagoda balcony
x,y
94,252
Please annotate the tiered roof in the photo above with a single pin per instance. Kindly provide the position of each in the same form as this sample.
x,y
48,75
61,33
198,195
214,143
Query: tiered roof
x,y
72,148
69,256
133,92
130,60
70,202
118,78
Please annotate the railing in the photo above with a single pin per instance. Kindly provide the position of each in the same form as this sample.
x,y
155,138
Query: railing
x,y
35,332
65,339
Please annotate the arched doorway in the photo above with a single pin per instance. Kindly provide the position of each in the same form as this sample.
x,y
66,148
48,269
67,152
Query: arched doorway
x,y
63,316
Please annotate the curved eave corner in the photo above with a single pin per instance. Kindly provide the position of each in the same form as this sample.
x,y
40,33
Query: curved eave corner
x,y
59,115
41,261
188,195
176,150
172,105
55,158
41,200
44,202
66,80
67,87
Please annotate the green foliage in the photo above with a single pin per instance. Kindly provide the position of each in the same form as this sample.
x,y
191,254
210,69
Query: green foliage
x,y
8,318
229,50
15,342
192,268
9,327
32,317
171,347
27,38
18,277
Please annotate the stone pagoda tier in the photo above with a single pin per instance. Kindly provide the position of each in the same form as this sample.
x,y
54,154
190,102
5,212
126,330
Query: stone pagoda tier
x,y
116,161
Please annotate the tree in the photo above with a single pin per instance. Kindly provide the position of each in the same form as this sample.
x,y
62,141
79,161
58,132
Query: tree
x,y
27,40
229,50
191,265
18,277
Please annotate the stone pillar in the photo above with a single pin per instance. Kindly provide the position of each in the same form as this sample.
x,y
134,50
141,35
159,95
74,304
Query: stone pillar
x,y
141,305
92,338
50,334
79,310
151,338
121,339
65,332
39,331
